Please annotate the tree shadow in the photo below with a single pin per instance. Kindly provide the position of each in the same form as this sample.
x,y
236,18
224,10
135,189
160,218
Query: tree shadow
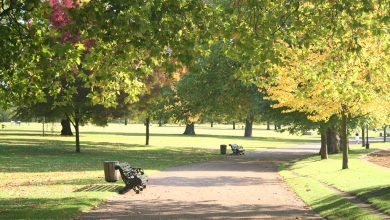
x,y
37,155
378,196
179,181
44,208
216,136
207,209
336,207
31,133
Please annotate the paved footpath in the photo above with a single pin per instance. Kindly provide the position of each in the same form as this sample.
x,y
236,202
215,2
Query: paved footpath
x,y
236,187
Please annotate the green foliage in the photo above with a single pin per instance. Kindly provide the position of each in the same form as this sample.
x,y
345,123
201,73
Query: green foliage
x,y
5,115
220,93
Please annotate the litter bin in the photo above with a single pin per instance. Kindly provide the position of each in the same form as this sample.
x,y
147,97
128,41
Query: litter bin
x,y
222,147
110,174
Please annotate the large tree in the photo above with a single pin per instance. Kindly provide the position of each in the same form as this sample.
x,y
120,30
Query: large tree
x,y
326,59
344,72
212,88
90,55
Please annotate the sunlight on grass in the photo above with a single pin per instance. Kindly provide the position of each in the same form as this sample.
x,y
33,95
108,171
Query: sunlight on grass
x,y
368,181
41,177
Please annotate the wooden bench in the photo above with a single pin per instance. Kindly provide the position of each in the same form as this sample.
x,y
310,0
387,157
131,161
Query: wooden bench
x,y
134,178
237,150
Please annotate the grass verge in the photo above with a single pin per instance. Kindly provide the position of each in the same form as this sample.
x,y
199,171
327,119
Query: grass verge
x,y
365,180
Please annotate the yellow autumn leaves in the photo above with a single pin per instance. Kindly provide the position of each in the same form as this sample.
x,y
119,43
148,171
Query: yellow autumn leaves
x,y
328,78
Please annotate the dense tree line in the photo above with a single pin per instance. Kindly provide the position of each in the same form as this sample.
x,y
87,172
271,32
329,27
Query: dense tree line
x,y
307,65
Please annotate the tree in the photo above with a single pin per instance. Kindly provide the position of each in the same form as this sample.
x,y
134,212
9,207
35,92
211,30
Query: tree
x,y
90,55
212,88
315,57
343,73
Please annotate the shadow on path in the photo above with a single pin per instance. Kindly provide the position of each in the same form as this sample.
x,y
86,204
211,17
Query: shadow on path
x,y
235,187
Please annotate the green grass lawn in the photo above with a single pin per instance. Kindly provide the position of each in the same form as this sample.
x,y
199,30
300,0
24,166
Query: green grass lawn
x,y
365,180
42,177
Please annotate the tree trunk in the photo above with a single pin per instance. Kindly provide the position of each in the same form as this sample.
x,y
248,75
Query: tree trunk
x,y
268,125
344,140
384,133
160,121
212,124
367,143
341,140
363,137
76,128
43,126
324,149
125,121
147,124
248,127
333,140
234,125
275,126
66,129
190,129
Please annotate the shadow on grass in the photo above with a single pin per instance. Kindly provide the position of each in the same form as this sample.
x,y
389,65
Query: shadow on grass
x,y
29,133
32,155
336,207
44,208
379,197
228,137
99,188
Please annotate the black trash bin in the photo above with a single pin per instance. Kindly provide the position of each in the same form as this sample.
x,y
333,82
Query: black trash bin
x,y
110,174
222,147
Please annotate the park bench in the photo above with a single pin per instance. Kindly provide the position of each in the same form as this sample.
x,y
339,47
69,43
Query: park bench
x,y
134,178
237,150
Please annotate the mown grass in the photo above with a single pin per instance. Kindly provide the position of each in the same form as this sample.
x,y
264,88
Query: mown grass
x,y
365,180
43,178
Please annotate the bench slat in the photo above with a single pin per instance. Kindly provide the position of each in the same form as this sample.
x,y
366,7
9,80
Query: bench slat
x,y
134,178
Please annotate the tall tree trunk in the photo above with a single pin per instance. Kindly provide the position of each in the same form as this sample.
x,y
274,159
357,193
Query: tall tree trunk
x,y
341,140
248,127
76,128
234,125
333,140
268,125
66,129
275,126
43,126
324,149
384,133
125,121
190,129
212,123
363,137
367,143
160,121
147,124
344,138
